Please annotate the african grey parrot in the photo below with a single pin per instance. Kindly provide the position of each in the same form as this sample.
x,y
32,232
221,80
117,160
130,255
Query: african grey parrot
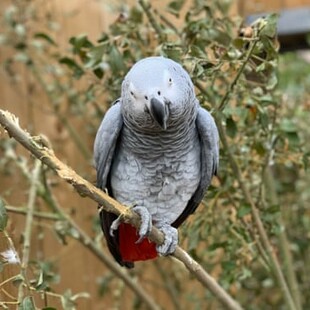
x,y
156,150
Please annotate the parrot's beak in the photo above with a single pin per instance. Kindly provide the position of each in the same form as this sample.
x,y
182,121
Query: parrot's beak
x,y
159,112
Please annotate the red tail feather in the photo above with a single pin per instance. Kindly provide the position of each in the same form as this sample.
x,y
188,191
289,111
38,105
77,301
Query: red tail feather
x,y
130,251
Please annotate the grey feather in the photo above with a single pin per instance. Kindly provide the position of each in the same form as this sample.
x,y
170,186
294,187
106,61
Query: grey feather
x,y
209,158
105,142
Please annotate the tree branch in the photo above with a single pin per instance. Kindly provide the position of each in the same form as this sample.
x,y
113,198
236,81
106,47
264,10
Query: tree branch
x,y
85,188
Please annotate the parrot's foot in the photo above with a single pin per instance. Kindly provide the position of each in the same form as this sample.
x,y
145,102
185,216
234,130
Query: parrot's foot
x,y
145,226
171,239
146,222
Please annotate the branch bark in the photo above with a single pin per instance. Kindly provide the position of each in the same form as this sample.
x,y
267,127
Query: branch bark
x,y
10,123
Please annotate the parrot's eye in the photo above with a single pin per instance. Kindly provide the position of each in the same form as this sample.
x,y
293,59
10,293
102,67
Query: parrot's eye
x,y
146,97
132,94
158,93
170,80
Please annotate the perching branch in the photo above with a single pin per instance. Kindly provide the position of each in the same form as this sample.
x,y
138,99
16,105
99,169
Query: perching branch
x,y
10,123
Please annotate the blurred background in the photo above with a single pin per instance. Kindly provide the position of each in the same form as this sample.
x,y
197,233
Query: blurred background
x,y
62,63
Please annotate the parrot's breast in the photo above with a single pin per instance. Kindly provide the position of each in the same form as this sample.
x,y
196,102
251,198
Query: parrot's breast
x,y
163,179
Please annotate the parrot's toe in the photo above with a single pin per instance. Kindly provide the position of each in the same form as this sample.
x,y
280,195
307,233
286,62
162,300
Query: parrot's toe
x,y
146,222
115,224
170,242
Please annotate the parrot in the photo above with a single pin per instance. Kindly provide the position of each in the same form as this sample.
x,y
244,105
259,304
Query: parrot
x,y
156,151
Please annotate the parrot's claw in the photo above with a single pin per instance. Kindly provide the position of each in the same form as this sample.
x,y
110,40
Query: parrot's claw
x,y
170,242
115,224
146,222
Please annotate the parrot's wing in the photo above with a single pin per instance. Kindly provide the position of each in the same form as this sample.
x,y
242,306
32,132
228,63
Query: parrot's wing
x,y
209,144
106,141
104,148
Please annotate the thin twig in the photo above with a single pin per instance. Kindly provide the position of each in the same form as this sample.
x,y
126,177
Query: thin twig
x,y
229,91
147,9
10,123
41,215
28,228
169,286
72,132
168,23
284,244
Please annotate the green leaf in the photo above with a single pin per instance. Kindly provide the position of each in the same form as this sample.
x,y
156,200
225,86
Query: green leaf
x,y
270,27
136,15
10,14
217,245
261,67
99,73
288,125
72,64
45,37
228,265
27,304
272,82
231,127
306,159
194,239
104,283
263,118
172,51
116,60
66,300
22,57
3,216
243,210
273,209
94,56
41,285
245,273
259,148
79,43
20,30
174,7
293,138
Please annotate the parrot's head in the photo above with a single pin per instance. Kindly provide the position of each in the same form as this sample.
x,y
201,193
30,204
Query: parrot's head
x,y
157,93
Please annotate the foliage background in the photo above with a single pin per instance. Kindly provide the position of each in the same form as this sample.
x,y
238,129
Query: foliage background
x,y
62,83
